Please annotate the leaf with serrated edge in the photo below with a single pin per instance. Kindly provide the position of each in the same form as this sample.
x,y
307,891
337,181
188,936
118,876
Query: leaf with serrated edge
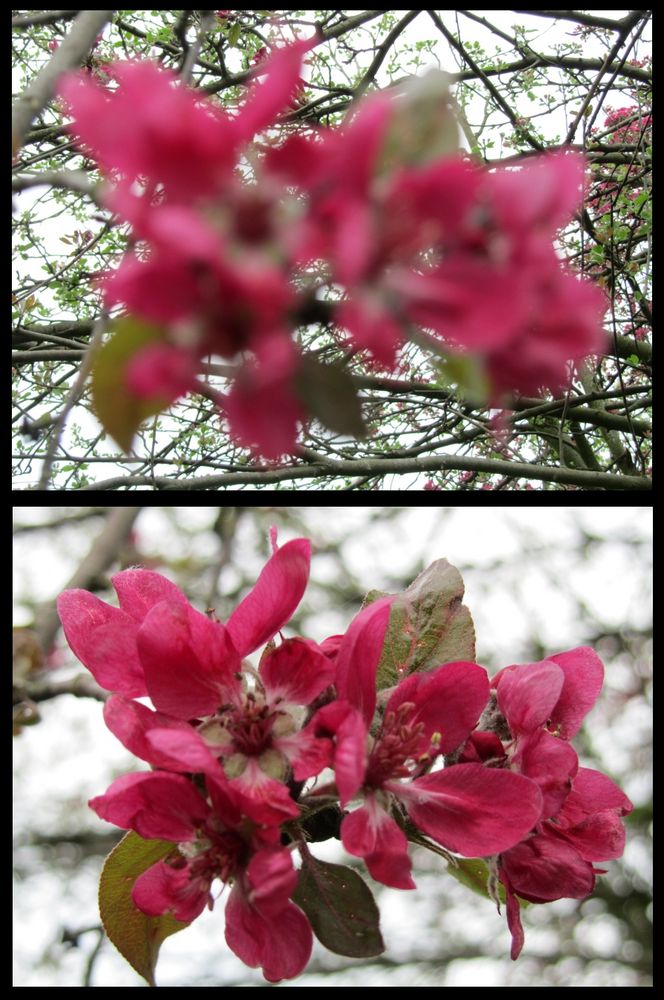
x,y
137,936
340,908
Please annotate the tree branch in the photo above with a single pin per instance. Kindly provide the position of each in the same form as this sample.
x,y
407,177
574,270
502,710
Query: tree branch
x,y
75,46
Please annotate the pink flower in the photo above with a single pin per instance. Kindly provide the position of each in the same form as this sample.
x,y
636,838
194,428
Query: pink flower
x,y
555,862
208,717
106,639
161,370
263,927
151,126
466,808
538,708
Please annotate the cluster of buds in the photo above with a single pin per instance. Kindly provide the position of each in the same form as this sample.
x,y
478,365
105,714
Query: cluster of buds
x,y
245,760
380,227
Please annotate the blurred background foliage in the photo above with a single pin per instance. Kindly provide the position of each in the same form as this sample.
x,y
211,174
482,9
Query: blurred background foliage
x,y
537,582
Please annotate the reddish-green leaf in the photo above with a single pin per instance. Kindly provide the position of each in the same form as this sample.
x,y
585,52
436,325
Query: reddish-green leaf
x,y
136,936
428,626
119,412
340,908
422,127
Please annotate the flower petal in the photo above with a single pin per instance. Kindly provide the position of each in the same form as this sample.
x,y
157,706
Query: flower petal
x,y
545,867
358,657
104,640
552,763
164,888
189,661
281,945
527,694
584,675
471,809
448,700
346,725
272,878
370,833
295,672
157,805
135,725
139,590
274,597
262,798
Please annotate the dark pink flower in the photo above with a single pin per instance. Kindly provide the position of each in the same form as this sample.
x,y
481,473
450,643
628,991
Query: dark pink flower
x,y
467,808
152,127
555,862
106,639
539,708
263,927
209,719
161,370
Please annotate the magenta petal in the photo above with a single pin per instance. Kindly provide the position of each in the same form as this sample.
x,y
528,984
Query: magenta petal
x,y
268,98
449,700
544,867
272,879
306,753
341,720
590,818
552,763
471,809
584,675
165,889
370,833
282,945
104,640
139,590
133,723
527,694
263,799
296,672
593,792
273,599
513,919
189,661
157,805
358,657
182,750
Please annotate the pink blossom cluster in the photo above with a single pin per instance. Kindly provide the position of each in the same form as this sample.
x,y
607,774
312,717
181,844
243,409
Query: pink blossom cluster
x,y
234,748
224,264
637,127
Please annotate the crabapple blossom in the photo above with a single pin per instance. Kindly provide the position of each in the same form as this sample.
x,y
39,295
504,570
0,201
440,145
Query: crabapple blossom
x,y
263,927
537,709
444,758
224,263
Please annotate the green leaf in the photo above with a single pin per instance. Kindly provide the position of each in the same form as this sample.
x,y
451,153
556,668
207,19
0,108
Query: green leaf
x,y
428,626
474,873
137,936
234,33
120,413
330,396
466,373
340,908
